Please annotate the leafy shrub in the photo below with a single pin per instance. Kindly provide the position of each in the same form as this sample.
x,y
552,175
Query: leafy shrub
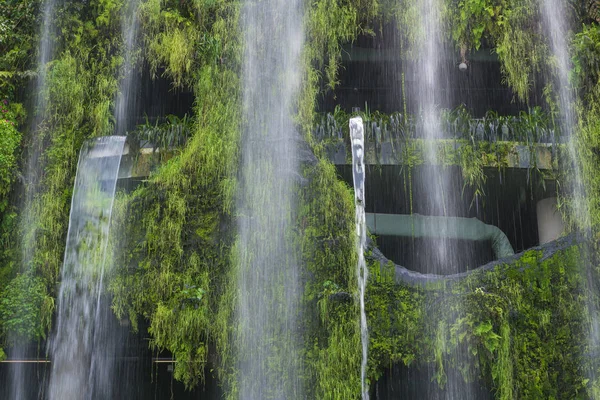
x,y
10,138
25,309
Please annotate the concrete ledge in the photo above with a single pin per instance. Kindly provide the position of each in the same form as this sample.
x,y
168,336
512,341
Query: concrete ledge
x,y
515,155
411,278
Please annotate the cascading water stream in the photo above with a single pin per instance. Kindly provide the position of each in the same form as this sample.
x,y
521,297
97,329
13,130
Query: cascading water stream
x,y
431,95
357,137
126,97
88,341
73,348
428,101
269,288
557,27
33,169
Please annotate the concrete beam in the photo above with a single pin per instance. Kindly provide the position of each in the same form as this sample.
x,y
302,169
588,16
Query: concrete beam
x,y
514,154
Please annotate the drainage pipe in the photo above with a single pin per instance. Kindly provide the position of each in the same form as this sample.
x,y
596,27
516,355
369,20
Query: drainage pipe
x,y
404,276
424,226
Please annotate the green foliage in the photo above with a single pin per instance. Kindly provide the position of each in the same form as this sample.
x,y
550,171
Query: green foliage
x,y
527,127
25,310
66,91
520,46
586,60
175,266
330,23
175,272
326,233
10,139
180,37
17,33
472,18
11,115
587,143
519,324
79,89
176,223
396,320
174,132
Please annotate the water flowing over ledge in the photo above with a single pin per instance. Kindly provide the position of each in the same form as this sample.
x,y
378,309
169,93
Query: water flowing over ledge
x,y
78,348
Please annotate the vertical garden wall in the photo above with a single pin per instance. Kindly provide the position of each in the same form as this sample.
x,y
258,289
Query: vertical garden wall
x,y
522,320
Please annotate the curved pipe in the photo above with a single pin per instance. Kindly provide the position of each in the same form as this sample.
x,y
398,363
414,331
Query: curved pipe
x,y
424,226
411,278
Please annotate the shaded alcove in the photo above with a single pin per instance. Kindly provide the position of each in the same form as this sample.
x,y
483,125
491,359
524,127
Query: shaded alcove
x,y
372,72
400,382
154,97
508,202
141,373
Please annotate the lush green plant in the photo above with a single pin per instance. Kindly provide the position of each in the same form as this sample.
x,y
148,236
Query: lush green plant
x,y
10,139
174,132
17,32
586,60
529,127
25,310
471,19
11,114
176,268
516,322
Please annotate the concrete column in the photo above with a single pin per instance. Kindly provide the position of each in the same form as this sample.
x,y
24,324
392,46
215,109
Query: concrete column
x,y
549,219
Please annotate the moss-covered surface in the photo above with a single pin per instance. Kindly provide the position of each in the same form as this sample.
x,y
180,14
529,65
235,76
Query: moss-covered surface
x,y
522,325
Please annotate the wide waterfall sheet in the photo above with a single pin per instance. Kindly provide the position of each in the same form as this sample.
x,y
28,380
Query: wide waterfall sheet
x,y
73,349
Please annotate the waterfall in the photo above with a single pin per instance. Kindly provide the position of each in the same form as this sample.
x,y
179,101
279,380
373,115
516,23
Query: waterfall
x,y
126,97
32,171
554,17
34,168
441,198
269,290
75,348
428,101
358,174
556,24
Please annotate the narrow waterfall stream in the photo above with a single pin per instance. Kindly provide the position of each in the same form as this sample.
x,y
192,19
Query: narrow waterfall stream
x,y
441,198
74,347
357,136
126,97
428,102
32,171
269,288
33,167
557,26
